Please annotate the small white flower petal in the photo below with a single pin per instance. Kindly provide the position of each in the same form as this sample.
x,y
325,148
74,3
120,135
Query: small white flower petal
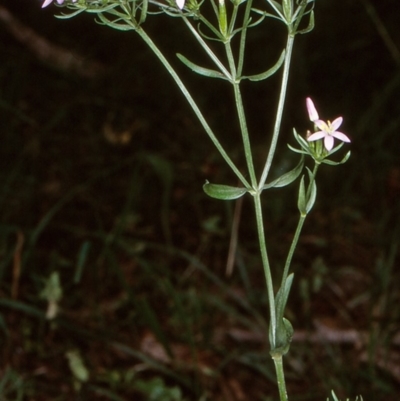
x,y
341,136
312,111
322,125
336,123
180,4
328,142
46,3
317,135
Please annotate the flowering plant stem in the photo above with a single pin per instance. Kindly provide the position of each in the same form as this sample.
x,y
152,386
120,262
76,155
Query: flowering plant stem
x,y
255,187
291,13
298,230
280,375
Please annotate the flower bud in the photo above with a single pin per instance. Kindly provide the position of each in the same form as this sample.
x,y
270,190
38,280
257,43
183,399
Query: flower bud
x,y
222,19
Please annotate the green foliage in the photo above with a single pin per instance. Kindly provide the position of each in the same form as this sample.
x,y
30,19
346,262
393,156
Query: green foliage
x,y
156,390
223,192
334,398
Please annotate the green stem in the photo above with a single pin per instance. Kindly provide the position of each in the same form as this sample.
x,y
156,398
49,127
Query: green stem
x,y
292,249
243,35
298,231
266,266
241,115
193,105
280,375
278,119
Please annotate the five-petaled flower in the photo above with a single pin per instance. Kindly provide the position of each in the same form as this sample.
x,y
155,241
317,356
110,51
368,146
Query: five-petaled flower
x,y
48,2
328,129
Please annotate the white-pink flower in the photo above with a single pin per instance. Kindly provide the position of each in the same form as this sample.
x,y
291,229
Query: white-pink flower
x,y
328,129
48,2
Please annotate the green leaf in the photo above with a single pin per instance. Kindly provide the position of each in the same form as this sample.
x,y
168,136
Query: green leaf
x,y
284,335
224,192
73,14
277,7
52,290
265,14
335,398
119,27
344,160
286,178
287,10
284,329
301,141
313,193
301,201
304,202
282,296
302,152
143,13
222,18
310,26
268,73
201,70
77,366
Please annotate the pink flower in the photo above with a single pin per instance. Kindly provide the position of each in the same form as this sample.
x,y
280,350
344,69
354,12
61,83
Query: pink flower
x,y
328,129
48,2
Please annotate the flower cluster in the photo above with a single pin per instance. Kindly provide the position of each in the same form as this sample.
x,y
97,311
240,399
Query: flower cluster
x,y
48,2
327,129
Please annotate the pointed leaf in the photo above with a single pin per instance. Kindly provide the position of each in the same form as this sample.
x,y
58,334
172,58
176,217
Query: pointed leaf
x,y
287,10
277,7
301,141
284,329
301,201
310,26
120,27
313,193
201,70
298,150
344,160
284,335
265,14
143,12
282,296
73,14
286,178
268,73
224,192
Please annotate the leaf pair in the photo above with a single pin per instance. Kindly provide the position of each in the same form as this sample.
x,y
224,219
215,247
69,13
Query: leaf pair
x,y
281,331
226,192
222,75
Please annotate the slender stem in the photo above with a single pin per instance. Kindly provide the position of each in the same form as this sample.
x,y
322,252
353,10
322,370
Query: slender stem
x,y
292,249
241,115
278,361
298,230
232,21
265,263
278,119
243,35
193,105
